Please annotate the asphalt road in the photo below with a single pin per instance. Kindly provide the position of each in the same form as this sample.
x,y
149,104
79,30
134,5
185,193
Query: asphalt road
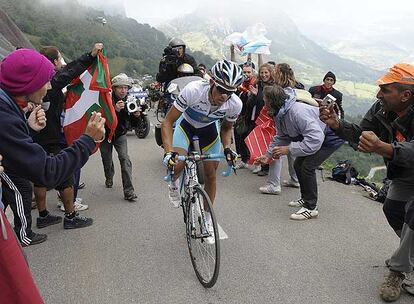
x,y
136,252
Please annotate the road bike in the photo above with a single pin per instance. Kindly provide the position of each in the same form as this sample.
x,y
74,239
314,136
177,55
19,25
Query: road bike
x,y
203,238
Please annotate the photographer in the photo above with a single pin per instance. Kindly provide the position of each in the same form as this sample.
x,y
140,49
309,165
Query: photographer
x,y
174,56
120,86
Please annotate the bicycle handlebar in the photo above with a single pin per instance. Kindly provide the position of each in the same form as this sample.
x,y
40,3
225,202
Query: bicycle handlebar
x,y
197,157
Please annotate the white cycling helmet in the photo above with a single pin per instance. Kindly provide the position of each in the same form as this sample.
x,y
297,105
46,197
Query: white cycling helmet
x,y
227,75
185,68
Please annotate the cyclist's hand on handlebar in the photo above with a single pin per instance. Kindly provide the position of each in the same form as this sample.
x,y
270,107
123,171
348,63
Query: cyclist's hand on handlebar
x,y
231,156
170,159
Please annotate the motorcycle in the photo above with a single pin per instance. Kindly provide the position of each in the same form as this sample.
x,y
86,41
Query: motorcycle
x,y
170,95
137,103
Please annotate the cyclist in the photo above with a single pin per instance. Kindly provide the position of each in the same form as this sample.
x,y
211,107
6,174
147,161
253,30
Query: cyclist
x,y
197,111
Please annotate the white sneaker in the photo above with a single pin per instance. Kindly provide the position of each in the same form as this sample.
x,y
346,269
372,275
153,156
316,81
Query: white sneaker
x,y
174,196
298,203
256,169
270,189
78,206
241,165
60,199
291,183
211,239
60,204
304,214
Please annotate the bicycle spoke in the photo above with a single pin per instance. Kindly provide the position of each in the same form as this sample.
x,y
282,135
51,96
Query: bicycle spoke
x,y
204,255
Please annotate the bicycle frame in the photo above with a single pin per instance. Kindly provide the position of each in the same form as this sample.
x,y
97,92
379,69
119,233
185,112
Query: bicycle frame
x,y
199,218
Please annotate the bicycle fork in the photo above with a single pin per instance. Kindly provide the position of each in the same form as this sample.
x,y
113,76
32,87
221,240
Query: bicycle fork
x,y
198,213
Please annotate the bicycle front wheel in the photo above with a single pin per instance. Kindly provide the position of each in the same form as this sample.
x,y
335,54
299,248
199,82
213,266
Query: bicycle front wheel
x,y
203,243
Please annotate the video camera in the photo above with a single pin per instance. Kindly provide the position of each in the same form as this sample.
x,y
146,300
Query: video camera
x,y
170,55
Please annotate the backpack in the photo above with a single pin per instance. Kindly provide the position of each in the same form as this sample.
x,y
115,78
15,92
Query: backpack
x,y
343,172
382,193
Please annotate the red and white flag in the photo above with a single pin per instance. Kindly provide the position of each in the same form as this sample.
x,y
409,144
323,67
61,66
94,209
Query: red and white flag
x,y
88,93
259,139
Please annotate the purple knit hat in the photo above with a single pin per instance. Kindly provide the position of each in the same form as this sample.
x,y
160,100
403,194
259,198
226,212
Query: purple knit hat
x,y
25,71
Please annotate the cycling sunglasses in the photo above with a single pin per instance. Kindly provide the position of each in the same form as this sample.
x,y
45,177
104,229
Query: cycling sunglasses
x,y
223,91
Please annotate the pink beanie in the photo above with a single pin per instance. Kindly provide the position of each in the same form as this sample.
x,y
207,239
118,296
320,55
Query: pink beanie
x,y
25,71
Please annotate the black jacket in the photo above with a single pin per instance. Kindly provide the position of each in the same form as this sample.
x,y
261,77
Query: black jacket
x,y
385,125
24,158
122,116
254,104
319,92
52,132
168,70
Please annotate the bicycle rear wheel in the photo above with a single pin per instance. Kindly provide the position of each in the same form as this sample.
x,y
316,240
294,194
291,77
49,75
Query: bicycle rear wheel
x,y
204,248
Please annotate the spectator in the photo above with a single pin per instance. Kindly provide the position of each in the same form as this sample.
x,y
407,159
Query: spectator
x,y
284,77
242,127
255,104
120,85
301,133
202,70
388,130
25,75
319,92
174,55
50,136
20,201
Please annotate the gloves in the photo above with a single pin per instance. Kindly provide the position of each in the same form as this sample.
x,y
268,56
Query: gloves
x,y
231,156
169,159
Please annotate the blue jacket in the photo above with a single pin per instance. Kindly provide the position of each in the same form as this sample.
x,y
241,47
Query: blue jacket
x,y
24,158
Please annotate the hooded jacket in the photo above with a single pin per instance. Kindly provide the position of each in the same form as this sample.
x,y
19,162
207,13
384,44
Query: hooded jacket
x,y
24,158
299,127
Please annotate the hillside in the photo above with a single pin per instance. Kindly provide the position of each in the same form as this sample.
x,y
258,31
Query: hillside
x,y
309,60
10,36
132,47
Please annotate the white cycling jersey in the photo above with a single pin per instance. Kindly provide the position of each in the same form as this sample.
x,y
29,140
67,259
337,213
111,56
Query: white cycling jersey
x,y
193,102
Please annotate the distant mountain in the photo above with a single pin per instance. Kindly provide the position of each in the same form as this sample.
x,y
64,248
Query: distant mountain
x,y
375,54
132,47
310,60
109,7
378,42
10,36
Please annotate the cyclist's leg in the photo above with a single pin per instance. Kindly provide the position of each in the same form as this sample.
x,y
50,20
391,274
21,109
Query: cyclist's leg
x,y
181,142
210,169
210,143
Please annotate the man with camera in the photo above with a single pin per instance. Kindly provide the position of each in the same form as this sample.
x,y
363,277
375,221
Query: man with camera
x,y
120,86
387,129
321,91
174,56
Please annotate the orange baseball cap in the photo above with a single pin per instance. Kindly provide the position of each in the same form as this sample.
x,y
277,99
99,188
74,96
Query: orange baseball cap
x,y
400,73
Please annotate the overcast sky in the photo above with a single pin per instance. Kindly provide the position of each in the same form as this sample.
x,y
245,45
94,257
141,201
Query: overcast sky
x,y
325,18
350,11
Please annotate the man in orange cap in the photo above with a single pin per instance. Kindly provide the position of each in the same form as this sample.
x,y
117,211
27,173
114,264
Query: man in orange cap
x,y
388,130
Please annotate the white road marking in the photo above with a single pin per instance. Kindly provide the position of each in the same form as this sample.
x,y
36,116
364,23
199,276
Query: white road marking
x,y
223,235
